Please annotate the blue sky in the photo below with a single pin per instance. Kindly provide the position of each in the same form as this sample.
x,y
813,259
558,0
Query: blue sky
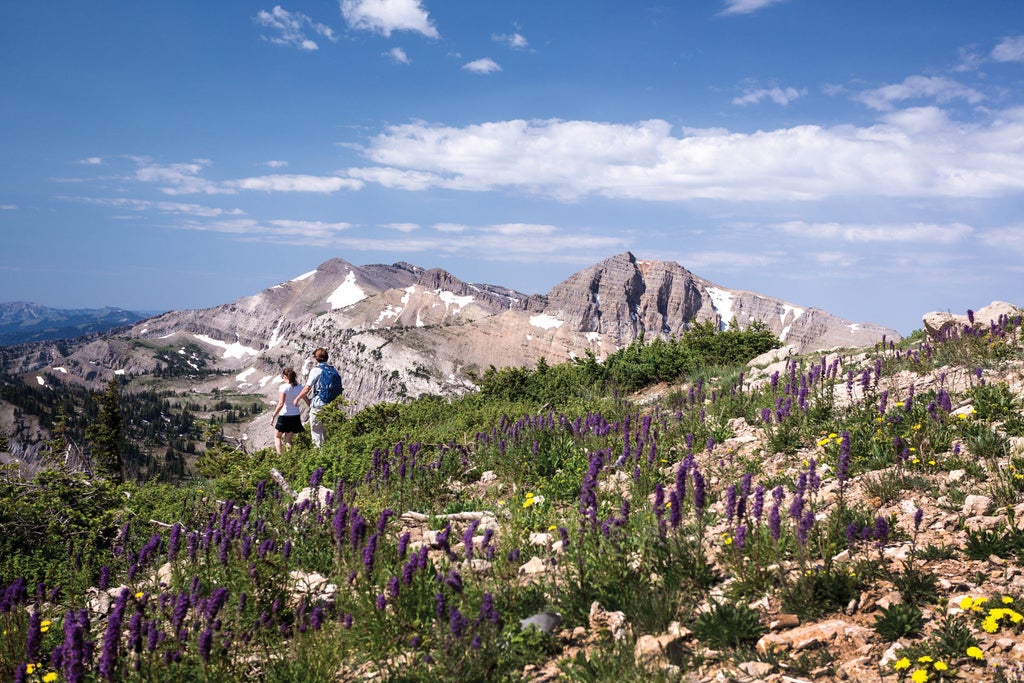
x,y
865,158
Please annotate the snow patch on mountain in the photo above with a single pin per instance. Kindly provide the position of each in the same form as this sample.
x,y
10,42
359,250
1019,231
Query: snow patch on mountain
x,y
452,299
545,321
275,338
235,350
243,376
303,276
347,293
722,302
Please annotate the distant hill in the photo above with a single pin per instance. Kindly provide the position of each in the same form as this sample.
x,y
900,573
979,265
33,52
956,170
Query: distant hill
x,y
22,322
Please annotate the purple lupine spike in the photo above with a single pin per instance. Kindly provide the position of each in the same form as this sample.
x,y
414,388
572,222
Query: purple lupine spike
x,y
370,553
440,605
843,468
918,518
453,580
467,538
206,645
699,492
796,507
316,478
881,530
803,529
34,636
181,606
217,600
730,502
741,536
382,520
813,479
757,509
403,544
659,500
174,542
74,653
775,521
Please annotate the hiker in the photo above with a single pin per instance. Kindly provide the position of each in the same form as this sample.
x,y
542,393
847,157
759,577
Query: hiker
x,y
287,419
323,385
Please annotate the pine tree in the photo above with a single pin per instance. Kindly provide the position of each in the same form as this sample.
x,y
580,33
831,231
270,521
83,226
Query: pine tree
x,y
106,435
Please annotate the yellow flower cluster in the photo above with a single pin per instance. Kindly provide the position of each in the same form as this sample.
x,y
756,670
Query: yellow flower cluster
x,y
529,500
990,624
920,674
824,441
973,604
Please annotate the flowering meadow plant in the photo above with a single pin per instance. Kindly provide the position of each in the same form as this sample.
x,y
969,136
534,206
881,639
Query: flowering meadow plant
x,y
428,535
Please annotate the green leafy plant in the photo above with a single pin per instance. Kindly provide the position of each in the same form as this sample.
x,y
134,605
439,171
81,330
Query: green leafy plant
x,y
728,625
898,621
916,585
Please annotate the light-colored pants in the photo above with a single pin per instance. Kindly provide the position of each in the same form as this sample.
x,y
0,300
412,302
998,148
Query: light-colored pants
x,y
316,427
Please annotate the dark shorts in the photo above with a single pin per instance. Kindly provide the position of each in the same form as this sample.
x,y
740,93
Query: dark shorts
x,y
289,423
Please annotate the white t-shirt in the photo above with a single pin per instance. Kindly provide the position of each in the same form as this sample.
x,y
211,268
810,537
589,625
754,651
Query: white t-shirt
x,y
290,391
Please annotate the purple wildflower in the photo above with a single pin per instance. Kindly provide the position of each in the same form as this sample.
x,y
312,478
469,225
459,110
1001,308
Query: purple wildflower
x,y
698,491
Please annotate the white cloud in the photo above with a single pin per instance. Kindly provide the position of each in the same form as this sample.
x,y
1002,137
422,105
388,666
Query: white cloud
x,y
291,27
482,66
927,233
274,163
1005,238
402,227
398,55
516,41
308,228
178,208
780,96
450,227
747,6
8,207
919,87
916,152
295,183
385,16
1010,49
178,178
91,161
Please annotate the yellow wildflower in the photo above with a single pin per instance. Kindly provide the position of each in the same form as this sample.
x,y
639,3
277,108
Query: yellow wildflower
x,y
1015,616
823,442
552,527
990,624
919,676
916,427
1007,600
966,602
974,652
50,677
931,462
528,502
914,461
44,626
138,595
941,666
833,435
901,664
30,668
924,659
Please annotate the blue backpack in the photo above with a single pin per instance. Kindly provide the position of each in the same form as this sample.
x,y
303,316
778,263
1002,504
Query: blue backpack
x,y
328,384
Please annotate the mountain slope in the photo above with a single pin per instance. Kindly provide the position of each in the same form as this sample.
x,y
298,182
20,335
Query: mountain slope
x,y
398,331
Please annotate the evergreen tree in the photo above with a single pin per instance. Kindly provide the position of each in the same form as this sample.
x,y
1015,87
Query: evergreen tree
x,y
106,435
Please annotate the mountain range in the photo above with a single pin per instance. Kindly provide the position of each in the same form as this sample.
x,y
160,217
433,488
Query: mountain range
x,y
22,322
400,331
